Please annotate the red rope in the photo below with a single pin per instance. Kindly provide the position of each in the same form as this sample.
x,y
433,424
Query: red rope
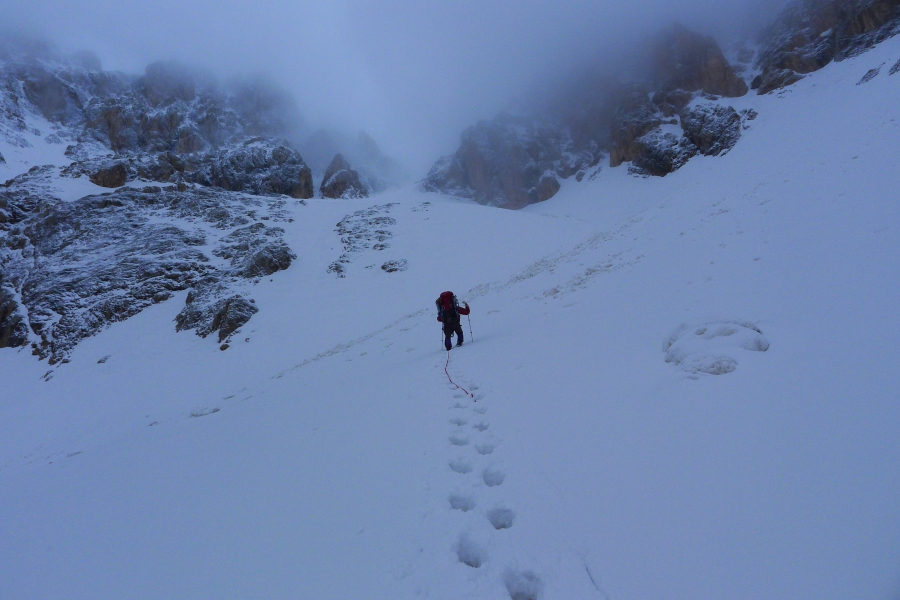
x,y
459,387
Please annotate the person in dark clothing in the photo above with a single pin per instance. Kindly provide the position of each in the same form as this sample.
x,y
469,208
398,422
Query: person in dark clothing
x,y
449,311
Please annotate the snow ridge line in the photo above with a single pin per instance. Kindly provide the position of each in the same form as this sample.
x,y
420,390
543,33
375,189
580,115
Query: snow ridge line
x,y
343,347
459,387
550,262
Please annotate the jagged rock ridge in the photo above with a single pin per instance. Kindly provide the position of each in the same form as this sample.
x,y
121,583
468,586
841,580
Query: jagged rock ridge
x,y
170,125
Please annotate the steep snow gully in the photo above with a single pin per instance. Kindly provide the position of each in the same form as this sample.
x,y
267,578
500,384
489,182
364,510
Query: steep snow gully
x,y
684,387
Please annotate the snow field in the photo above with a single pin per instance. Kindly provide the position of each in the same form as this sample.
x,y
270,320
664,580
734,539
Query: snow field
x,y
684,388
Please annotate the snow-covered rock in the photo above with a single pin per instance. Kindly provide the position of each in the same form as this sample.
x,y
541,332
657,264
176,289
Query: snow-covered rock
x,y
511,161
79,266
74,260
342,181
514,161
168,125
809,34
713,128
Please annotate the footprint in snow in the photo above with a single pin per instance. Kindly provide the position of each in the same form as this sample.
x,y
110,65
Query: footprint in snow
x,y
469,552
484,449
501,517
459,421
523,585
482,426
458,440
713,348
492,477
462,503
460,466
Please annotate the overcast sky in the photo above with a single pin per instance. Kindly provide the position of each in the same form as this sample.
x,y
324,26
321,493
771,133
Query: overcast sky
x,y
411,73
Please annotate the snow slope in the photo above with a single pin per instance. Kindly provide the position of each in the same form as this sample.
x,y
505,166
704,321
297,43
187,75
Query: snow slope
x,y
683,388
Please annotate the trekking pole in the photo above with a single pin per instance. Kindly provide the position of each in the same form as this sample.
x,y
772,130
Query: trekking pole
x,y
471,337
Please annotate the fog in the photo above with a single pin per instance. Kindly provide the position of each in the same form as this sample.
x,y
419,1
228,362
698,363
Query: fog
x,y
412,74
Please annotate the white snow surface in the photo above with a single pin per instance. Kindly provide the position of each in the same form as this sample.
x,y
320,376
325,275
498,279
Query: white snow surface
x,y
684,387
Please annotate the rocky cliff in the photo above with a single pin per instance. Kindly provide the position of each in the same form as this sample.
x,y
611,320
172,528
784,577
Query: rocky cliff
x,y
809,34
655,123
677,107
201,180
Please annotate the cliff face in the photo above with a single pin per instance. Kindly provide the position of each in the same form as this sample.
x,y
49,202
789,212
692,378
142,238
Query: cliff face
x,y
513,161
170,125
809,34
656,122
200,181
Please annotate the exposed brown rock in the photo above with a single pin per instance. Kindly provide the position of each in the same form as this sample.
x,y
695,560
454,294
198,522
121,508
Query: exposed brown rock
x,y
775,80
547,187
636,117
341,181
694,62
516,160
672,102
111,177
809,34
13,331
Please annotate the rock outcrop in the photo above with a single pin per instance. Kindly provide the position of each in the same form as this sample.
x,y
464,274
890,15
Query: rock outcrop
x,y
110,177
636,116
660,153
809,34
13,329
377,171
256,166
341,181
169,125
685,60
68,269
79,266
511,162
366,229
514,161
712,128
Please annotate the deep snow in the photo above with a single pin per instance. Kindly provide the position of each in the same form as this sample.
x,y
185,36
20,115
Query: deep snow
x,y
601,457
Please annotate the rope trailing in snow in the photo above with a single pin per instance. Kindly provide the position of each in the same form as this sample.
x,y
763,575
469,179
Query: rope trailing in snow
x,y
459,387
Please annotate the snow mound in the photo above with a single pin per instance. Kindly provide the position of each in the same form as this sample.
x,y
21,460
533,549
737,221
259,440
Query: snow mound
x,y
713,348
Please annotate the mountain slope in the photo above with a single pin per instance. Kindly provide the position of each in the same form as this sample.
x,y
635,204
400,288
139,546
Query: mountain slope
x,y
683,388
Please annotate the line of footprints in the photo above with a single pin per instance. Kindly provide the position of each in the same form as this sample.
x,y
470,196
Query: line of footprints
x,y
470,441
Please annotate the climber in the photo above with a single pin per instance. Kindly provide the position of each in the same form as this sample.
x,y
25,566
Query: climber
x,y
449,311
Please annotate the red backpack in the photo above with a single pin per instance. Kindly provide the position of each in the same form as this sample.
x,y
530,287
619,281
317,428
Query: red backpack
x,y
448,306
